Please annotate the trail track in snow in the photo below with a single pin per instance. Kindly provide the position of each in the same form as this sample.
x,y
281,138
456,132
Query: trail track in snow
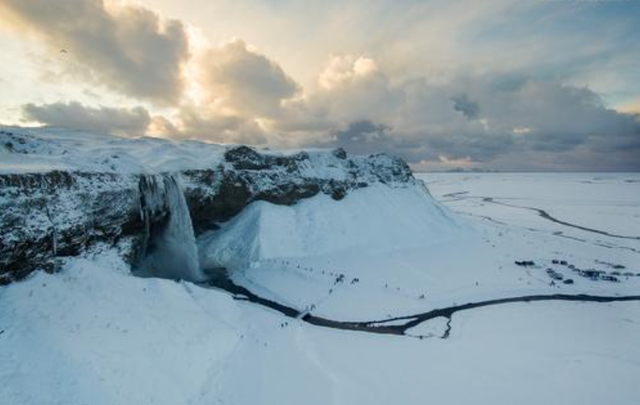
x,y
463,195
544,214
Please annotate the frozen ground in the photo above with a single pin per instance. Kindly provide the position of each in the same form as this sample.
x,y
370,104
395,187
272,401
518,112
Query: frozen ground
x,y
608,202
95,334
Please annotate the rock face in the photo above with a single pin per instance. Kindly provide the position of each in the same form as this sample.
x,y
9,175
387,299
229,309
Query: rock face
x,y
218,194
57,214
50,215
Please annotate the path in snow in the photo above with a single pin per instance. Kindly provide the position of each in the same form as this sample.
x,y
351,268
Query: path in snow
x,y
462,195
544,214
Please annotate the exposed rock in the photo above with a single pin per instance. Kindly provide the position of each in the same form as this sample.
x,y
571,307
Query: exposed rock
x,y
339,153
47,215
218,194
245,158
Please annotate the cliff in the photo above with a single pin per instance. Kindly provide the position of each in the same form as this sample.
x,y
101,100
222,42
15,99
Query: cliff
x,y
63,193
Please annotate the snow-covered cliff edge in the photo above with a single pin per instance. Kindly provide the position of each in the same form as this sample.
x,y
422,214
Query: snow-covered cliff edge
x,y
63,193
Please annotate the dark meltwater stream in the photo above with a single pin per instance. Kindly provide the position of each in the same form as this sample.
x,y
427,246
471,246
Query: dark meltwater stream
x,y
393,326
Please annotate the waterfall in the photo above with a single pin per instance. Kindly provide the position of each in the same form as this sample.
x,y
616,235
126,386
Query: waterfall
x,y
170,249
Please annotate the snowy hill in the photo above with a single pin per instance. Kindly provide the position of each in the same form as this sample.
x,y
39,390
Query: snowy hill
x,y
365,221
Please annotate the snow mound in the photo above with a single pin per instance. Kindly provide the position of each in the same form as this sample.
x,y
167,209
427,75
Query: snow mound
x,y
93,335
372,219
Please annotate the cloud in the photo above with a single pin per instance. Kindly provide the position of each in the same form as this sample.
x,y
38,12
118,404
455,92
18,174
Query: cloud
x,y
484,119
238,78
464,105
193,122
407,100
240,95
124,47
199,123
351,89
546,115
118,121
347,69
362,137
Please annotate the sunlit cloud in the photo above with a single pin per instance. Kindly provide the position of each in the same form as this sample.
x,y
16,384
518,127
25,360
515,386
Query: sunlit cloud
x,y
124,47
243,80
118,121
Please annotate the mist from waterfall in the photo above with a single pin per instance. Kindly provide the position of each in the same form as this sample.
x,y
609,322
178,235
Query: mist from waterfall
x,y
170,248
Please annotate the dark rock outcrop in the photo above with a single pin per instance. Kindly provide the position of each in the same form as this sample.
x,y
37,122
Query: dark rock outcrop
x,y
55,214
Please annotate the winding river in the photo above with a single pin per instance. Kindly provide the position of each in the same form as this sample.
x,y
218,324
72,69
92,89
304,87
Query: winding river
x,y
397,325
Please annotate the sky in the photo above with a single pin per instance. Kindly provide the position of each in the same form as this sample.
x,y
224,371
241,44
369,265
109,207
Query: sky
x,y
517,85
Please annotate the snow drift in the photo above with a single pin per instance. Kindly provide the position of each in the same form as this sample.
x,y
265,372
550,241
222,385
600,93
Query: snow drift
x,y
373,219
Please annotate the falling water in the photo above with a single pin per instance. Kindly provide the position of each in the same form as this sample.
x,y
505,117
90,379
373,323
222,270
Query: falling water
x,y
170,244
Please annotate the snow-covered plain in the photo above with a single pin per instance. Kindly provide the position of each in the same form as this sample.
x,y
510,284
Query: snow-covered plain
x,y
95,334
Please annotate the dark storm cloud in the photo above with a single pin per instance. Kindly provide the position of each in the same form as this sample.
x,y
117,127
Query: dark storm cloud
x,y
483,119
366,137
362,136
464,105
118,121
127,48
